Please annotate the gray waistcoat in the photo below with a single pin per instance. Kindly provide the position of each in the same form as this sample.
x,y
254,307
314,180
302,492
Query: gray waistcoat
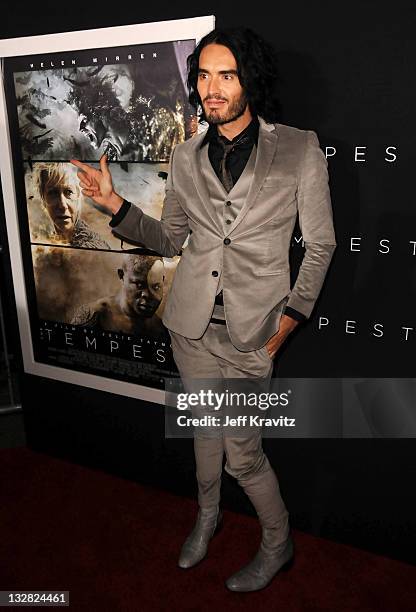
x,y
218,194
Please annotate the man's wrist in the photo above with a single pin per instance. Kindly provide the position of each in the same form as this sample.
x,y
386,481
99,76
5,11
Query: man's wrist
x,y
287,324
114,203
119,216
294,314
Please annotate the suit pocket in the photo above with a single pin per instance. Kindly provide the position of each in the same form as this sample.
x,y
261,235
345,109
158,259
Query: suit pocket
x,y
266,272
273,260
266,352
278,183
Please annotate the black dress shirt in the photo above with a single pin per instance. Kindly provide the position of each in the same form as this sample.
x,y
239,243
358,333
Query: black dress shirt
x,y
238,157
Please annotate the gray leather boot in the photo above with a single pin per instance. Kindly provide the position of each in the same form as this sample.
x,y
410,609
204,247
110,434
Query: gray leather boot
x,y
195,546
276,548
262,569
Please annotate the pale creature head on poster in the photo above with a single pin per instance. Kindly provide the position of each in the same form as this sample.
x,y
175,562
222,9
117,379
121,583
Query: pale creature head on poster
x,y
125,116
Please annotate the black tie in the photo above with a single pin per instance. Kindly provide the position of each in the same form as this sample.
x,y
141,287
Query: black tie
x,y
226,178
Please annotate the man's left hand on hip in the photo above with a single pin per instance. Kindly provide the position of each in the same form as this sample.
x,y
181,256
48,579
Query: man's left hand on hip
x,y
287,324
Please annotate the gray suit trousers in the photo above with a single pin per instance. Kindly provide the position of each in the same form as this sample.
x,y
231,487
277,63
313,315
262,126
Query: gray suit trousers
x,y
213,356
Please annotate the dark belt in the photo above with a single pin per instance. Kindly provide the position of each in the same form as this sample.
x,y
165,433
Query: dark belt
x,y
218,300
220,321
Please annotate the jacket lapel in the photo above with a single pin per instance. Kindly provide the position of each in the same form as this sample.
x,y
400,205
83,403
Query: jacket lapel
x,y
199,180
266,150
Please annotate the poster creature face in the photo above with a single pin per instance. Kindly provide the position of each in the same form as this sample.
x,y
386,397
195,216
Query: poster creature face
x,y
131,112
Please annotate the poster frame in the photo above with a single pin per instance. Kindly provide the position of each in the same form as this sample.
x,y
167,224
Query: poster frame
x,y
154,32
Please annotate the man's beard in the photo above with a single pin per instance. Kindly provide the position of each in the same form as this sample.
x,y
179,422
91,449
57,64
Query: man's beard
x,y
235,111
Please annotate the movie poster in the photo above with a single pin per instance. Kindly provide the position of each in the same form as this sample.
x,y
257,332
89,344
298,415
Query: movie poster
x,y
95,302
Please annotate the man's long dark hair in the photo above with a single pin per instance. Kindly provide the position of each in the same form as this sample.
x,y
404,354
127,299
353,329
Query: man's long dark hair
x,y
257,70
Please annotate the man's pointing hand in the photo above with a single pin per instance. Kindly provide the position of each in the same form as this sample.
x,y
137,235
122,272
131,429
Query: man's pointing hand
x,y
98,184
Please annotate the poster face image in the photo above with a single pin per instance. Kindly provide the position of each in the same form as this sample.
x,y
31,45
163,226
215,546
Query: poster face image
x,y
58,213
135,110
101,310
94,302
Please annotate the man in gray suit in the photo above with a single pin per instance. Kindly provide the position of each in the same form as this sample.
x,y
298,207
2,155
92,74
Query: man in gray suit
x,y
236,190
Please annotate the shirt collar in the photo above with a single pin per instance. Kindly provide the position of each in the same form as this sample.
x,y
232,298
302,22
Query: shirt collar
x,y
252,131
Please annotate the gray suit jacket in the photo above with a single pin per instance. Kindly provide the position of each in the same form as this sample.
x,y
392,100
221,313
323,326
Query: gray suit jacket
x,y
290,178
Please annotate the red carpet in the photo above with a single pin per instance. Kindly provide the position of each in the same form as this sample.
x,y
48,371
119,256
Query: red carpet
x,y
114,545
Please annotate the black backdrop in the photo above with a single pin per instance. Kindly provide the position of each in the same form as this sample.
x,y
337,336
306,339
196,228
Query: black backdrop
x,y
346,72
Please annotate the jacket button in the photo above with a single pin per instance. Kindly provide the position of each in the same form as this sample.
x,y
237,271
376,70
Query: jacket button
x,y
214,273
227,241
228,221
228,203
